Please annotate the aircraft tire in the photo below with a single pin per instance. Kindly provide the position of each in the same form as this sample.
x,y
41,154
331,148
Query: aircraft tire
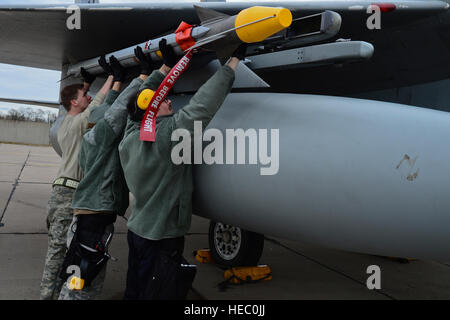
x,y
233,247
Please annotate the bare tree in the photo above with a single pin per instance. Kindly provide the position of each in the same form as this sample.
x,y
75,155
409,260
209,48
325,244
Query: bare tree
x,y
30,114
51,116
14,114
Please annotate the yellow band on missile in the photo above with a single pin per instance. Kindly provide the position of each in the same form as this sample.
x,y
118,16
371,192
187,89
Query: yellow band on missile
x,y
281,18
144,98
76,283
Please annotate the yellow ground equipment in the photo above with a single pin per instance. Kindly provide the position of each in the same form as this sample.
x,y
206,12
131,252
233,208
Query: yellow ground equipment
x,y
203,256
242,275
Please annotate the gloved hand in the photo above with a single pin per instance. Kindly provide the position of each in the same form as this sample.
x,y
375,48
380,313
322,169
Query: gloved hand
x,y
169,57
105,66
87,77
145,61
240,51
118,71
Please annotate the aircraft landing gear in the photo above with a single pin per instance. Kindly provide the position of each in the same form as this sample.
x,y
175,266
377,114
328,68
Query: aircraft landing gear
x,y
232,246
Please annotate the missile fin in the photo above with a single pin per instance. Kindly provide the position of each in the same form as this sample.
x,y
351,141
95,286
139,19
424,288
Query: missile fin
x,y
247,78
207,16
224,53
195,77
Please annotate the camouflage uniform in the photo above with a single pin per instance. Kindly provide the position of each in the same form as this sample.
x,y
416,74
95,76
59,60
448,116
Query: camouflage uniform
x,y
88,293
60,213
102,192
59,217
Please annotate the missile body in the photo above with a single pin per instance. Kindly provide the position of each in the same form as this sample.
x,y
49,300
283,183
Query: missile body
x,y
218,32
127,58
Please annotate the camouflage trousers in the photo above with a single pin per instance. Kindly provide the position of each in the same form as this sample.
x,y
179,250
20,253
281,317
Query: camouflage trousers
x,y
87,293
59,218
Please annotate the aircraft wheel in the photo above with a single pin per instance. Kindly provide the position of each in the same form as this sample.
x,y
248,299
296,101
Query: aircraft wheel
x,y
232,246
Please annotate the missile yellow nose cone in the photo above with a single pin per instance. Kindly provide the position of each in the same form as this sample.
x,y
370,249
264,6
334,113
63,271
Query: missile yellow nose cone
x,y
277,20
144,98
76,283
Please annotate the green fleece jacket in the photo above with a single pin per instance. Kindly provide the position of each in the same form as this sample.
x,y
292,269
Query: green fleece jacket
x,y
103,187
162,190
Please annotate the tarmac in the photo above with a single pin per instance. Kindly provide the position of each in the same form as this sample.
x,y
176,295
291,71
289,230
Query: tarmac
x,y
300,271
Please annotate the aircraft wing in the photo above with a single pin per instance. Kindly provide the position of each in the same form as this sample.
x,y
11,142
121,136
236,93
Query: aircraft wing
x,y
38,36
50,104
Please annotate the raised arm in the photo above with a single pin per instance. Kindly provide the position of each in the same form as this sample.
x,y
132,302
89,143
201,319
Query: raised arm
x,y
169,60
211,95
116,116
88,78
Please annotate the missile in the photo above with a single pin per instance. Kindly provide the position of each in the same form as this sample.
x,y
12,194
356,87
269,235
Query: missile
x,y
251,25
218,32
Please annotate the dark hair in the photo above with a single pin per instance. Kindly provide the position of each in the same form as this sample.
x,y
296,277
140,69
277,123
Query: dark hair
x,y
69,93
134,112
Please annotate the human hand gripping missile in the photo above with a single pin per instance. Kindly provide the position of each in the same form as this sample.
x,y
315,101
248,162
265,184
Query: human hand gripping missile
x,y
218,32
